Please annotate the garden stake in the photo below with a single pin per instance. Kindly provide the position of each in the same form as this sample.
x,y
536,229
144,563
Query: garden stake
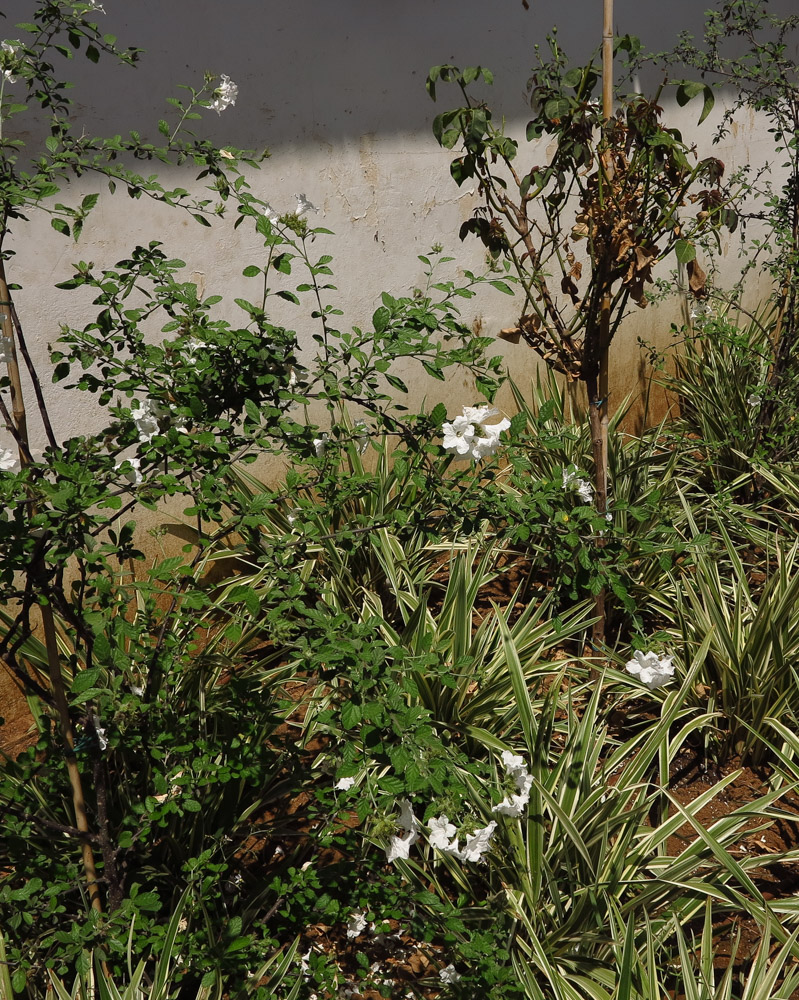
x,y
598,405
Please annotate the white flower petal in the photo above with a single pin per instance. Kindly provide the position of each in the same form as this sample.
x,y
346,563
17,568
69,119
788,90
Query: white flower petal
x,y
442,833
356,925
304,206
478,843
449,975
225,94
651,669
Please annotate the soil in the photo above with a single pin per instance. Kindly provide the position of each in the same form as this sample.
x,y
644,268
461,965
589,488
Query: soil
x,y
16,732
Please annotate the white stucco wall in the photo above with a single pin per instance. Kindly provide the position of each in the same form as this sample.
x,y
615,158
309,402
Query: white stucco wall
x,y
336,92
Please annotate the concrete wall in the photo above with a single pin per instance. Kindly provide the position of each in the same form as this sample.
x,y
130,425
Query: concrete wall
x,y
336,92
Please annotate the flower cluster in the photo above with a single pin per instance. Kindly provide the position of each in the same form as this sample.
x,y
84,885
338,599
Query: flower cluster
x,y
516,769
651,669
225,94
469,436
442,835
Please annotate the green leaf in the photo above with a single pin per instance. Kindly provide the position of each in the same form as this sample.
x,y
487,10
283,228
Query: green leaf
x,y
685,251
350,714
502,286
395,382
380,319
557,107
60,226
688,89
518,424
85,679
251,271
148,901
535,129
438,414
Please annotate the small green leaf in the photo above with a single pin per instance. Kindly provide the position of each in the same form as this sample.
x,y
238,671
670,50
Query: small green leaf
x,y
438,414
350,714
685,251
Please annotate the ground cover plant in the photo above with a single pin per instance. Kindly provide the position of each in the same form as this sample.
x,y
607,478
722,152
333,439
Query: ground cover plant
x,y
359,736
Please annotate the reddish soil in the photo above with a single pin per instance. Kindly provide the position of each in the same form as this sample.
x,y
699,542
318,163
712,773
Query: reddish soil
x,y
16,732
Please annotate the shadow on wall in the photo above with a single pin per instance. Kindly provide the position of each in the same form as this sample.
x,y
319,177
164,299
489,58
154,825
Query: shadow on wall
x,y
312,71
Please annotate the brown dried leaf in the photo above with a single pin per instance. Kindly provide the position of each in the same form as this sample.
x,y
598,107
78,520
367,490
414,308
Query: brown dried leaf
x,y
512,334
697,279
568,287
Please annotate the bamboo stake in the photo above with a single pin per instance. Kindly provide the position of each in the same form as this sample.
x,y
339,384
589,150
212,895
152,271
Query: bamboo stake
x,y
604,335
598,385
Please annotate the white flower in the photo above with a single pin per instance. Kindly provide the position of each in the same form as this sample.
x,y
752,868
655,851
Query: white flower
x,y
449,975
479,414
470,437
100,733
363,437
443,835
271,214
458,436
148,419
193,345
516,768
225,94
356,925
513,764
133,475
651,669
303,205
753,400
483,447
7,460
319,445
571,480
343,784
399,847
11,49
478,843
513,805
